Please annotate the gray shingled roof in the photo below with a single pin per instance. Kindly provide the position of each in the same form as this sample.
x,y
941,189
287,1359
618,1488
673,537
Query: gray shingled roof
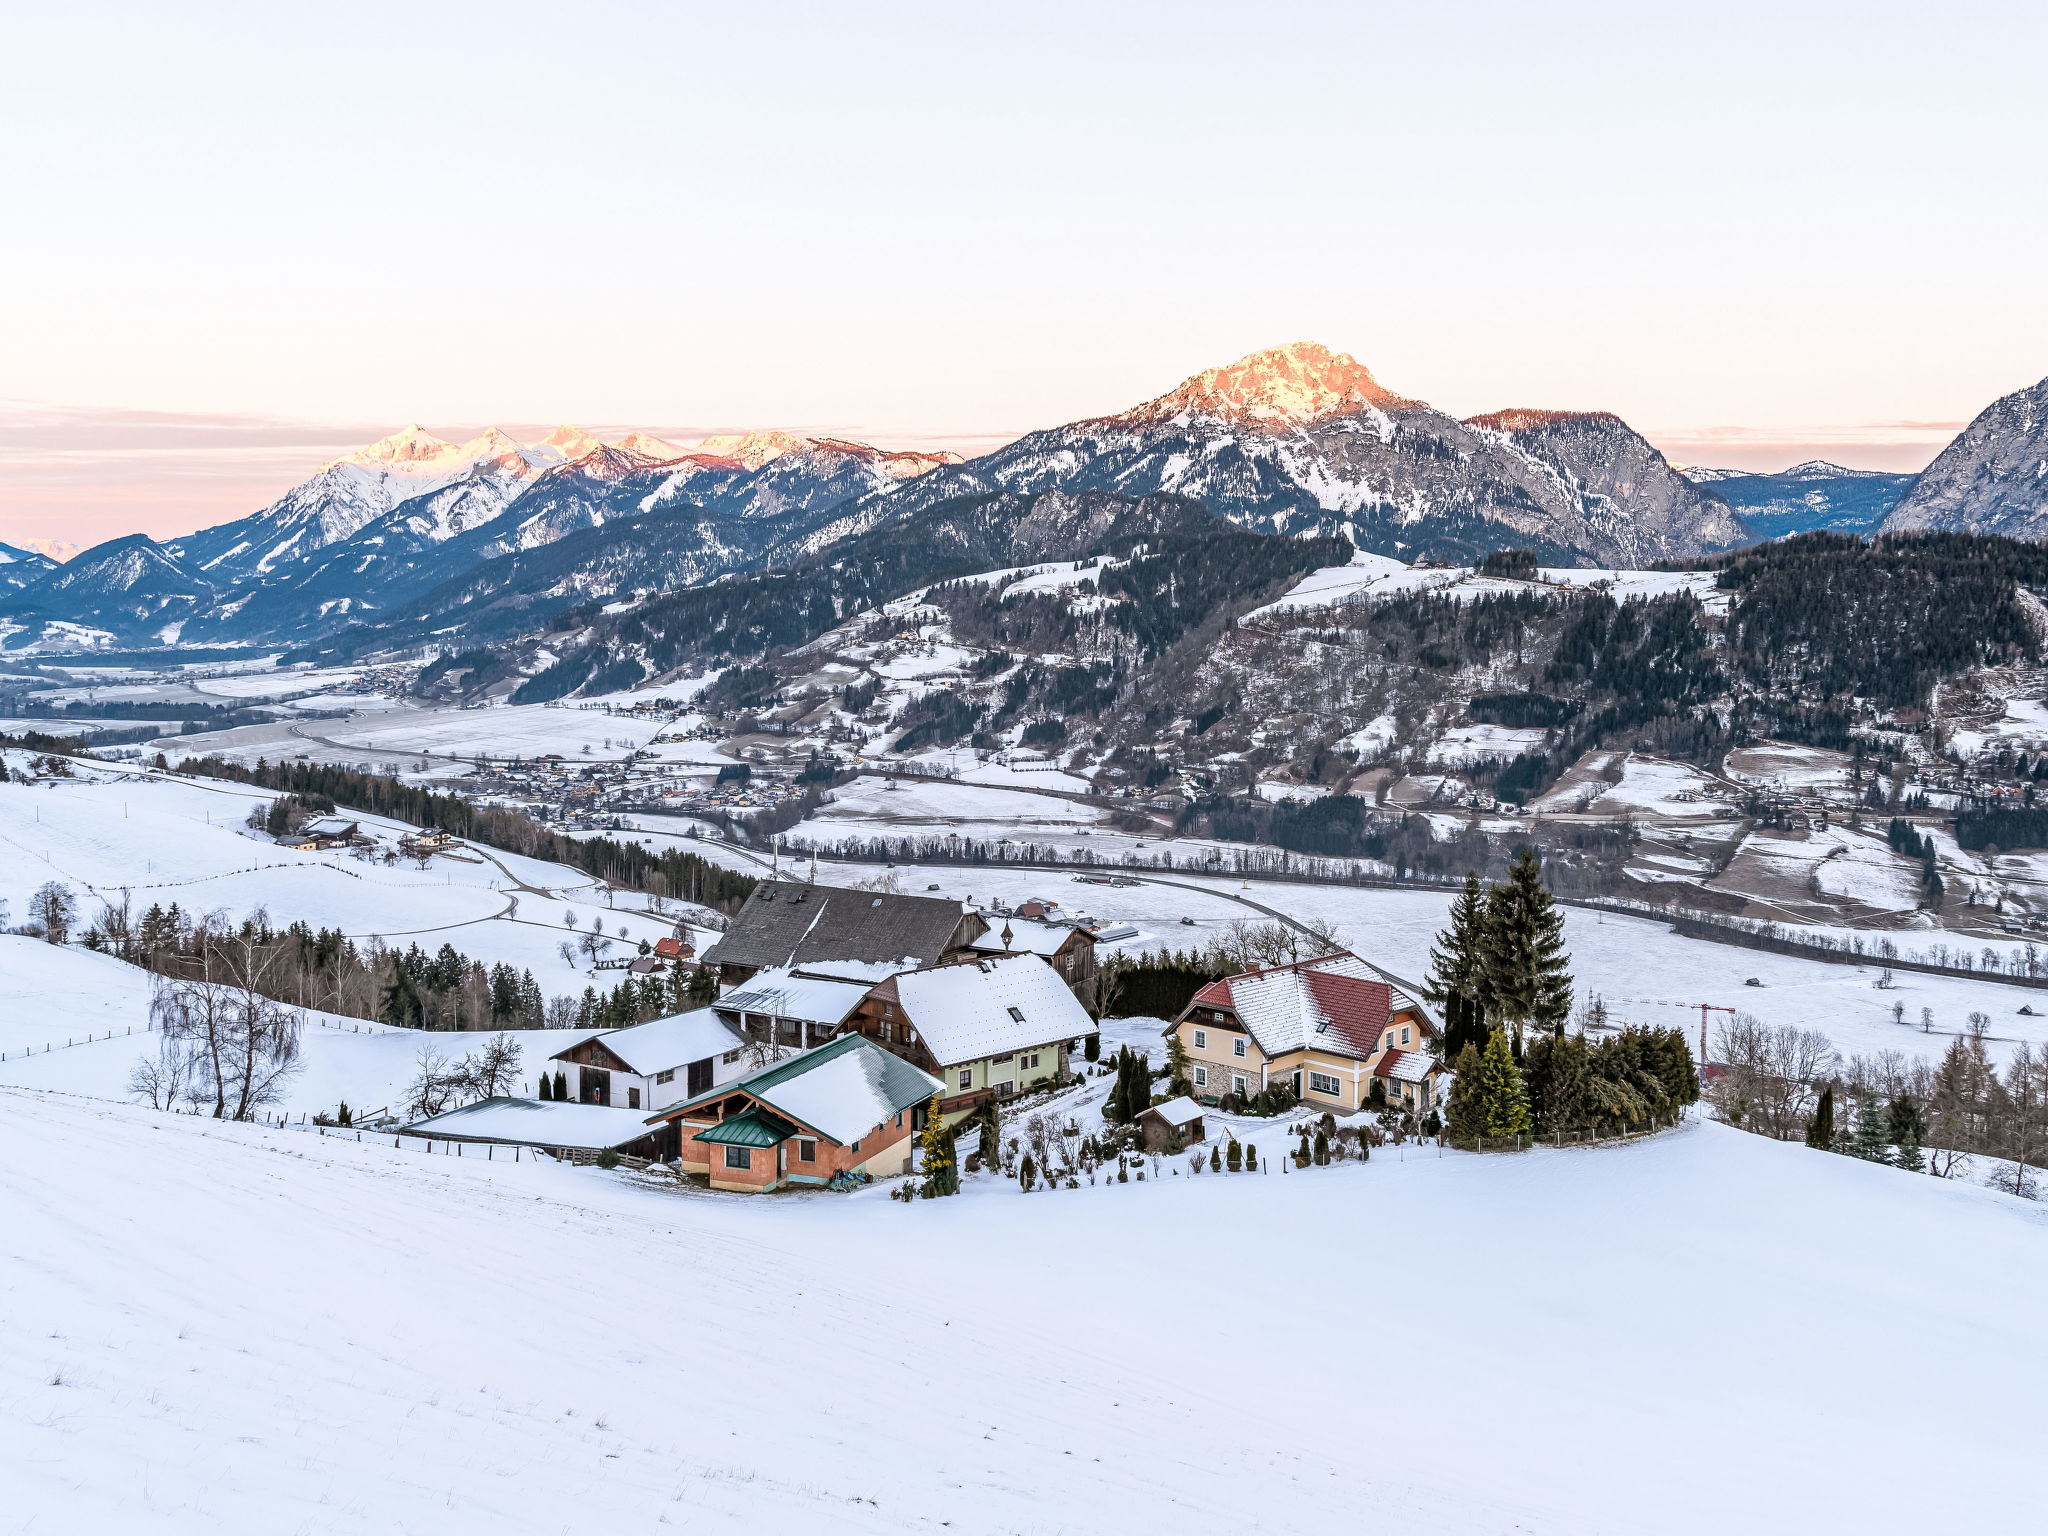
x,y
788,923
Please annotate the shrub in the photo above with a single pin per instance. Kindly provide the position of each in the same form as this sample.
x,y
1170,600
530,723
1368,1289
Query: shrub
x,y
1235,1156
1251,1158
607,1159
1216,1159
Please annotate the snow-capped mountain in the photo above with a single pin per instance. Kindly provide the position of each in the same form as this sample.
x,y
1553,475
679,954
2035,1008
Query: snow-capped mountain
x,y
355,490
1813,495
19,567
1300,439
1992,479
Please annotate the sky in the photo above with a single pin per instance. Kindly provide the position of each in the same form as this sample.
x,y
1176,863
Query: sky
x,y
243,240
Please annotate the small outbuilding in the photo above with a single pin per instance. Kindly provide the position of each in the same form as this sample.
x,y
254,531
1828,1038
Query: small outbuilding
x,y
1178,1119
579,1133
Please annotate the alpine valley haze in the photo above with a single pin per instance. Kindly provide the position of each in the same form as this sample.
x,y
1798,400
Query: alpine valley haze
x,y
1066,769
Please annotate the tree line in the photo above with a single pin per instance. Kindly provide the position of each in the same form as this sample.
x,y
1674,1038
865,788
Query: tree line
x,y
669,873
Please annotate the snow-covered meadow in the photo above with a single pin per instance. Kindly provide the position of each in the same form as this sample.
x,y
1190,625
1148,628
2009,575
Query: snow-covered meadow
x,y
232,1328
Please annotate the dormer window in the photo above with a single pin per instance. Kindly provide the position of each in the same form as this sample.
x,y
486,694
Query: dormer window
x,y
1017,1013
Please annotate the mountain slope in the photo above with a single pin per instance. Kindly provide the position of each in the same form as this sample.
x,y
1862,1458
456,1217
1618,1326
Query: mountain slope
x,y
21,567
132,587
1992,479
1300,439
1806,497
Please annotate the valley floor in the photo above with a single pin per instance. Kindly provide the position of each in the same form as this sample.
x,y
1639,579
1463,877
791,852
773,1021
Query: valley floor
x,y
227,1328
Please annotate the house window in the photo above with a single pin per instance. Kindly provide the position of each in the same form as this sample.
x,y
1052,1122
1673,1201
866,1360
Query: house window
x,y
632,1098
1005,1088
807,1151
1201,1039
1404,1034
888,1010
1237,1082
967,1077
730,1057
1201,1077
1237,1046
664,1077
738,1157
1017,1013
854,1148
1002,1058
1388,1043
1321,1082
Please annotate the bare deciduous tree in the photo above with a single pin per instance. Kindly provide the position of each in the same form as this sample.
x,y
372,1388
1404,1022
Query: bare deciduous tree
x,y
1767,1077
51,910
161,1080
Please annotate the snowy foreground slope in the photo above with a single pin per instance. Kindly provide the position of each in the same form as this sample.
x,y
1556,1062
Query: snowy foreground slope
x,y
225,1329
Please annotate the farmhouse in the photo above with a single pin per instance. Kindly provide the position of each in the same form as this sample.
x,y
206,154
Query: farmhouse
x,y
788,923
843,1108
1329,1028
987,1028
647,1064
1068,949
324,832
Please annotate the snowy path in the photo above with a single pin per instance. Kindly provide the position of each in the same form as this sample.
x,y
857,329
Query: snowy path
x,y
228,1329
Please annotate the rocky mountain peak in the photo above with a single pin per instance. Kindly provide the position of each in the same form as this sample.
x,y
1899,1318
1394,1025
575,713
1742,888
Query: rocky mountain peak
x,y
411,448
753,449
1278,388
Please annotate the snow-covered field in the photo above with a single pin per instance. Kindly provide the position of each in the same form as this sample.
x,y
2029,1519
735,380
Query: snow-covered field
x,y
531,730
1376,576
162,839
227,1329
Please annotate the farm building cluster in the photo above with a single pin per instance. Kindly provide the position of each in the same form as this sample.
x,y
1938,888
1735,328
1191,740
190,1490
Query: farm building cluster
x,y
845,1019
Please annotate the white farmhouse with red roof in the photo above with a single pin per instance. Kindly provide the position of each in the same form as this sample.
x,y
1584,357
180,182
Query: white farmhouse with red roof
x,y
1330,1028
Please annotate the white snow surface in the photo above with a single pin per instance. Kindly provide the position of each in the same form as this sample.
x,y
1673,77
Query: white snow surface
x,y
229,1329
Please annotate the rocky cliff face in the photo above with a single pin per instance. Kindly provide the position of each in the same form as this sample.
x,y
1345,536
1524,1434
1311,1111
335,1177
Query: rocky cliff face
x,y
1992,479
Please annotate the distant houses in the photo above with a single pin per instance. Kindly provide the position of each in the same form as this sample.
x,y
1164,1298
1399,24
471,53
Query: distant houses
x,y
840,1110
1340,1033
322,833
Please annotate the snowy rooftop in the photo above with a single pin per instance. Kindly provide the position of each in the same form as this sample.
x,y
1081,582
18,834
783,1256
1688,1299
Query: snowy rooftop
x,y
532,1123
843,1089
1335,1003
661,1045
1026,937
782,993
986,1007
1177,1112
1404,1066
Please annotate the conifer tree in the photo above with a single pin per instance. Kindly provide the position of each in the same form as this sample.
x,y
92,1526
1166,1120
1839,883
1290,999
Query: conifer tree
x,y
1457,970
547,1088
1500,1089
1468,1104
561,1086
1091,1048
1872,1142
1216,1158
1820,1125
1235,1157
1251,1157
935,1142
1905,1130
1322,1149
1526,975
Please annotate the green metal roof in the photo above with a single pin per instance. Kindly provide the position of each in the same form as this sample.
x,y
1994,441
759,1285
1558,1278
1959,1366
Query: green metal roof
x,y
903,1083
755,1127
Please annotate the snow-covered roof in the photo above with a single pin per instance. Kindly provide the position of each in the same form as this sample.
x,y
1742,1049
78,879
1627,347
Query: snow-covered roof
x,y
1178,1111
328,826
784,994
1026,938
1405,1066
986,1007
662,1045
1335,1002
535,1123
843,1089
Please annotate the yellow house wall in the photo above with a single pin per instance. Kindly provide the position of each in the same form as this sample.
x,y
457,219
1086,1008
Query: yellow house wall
x,y
1217,1057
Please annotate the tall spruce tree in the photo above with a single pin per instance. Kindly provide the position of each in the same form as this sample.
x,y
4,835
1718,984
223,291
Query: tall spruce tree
x,y
1820,1125
1873,1131
1500,1089
1457,972
940,1158
1527,979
